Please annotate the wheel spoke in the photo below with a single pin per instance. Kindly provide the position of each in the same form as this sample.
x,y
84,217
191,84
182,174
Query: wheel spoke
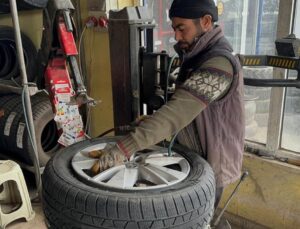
x,y
168,174
117,180
87,163
148,174
125,178
130,177
107,174
164,161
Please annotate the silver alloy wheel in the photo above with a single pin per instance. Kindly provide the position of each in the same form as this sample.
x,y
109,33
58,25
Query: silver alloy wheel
x,y
148,170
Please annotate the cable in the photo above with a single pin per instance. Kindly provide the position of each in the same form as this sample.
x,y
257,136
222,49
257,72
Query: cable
x,y
79,48
106,132
168,75
171,144
120,128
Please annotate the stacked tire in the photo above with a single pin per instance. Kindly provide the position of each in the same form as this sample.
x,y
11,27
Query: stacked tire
x,y
9,65
14,138
22,5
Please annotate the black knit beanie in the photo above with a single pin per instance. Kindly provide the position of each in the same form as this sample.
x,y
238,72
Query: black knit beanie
x,y
193,9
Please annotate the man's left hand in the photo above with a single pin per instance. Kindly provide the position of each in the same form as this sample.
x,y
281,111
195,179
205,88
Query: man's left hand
x,y
107,158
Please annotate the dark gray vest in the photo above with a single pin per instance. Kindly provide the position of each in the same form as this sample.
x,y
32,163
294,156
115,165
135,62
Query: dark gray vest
x,y
221,125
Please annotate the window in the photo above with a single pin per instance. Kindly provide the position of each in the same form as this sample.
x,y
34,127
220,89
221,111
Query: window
x,y
291,121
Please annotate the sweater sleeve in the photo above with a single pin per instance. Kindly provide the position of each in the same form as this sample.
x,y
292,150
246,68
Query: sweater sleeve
x,y
186,103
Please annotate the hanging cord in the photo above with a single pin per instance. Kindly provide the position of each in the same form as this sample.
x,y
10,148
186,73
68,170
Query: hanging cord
x,y
34,156
168,76
79,48
171,144
89,24
120,128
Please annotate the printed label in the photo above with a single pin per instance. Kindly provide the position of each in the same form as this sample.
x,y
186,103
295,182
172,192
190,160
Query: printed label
x,y
20,134
9,122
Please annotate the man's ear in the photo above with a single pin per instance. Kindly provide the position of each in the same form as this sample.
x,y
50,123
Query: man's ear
x,y
206,22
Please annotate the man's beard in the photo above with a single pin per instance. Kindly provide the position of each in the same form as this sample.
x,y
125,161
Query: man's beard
x,y
187,47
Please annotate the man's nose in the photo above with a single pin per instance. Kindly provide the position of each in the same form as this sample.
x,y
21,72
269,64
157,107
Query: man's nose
x,y
178,36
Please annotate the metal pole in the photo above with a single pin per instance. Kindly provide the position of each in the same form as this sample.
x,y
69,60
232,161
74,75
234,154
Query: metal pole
x,y
244,175
34,157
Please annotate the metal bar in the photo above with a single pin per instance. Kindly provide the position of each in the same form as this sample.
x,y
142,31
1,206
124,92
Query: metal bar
x,y
135,36
34,157
272,82
292,63
68,21
244,175
77,76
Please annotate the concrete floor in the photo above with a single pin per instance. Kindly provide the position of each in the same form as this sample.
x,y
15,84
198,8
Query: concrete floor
x,y
37,222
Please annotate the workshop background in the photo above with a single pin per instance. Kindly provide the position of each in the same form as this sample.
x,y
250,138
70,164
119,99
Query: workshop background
x,y
270,197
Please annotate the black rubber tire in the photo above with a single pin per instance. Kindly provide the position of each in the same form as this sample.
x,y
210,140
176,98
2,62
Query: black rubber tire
x,y
8,105
4,99
7,39
69,202
42,116
16,142
22,5
8,57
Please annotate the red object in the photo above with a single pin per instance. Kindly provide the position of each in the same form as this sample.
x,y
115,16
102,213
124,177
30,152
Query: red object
x,y
57,79
103,22
66,39
91,22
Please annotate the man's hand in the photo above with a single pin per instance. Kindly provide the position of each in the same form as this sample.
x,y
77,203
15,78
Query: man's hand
x,y
107,158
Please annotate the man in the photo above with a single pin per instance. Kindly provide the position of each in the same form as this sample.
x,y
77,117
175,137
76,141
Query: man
x,y
207,106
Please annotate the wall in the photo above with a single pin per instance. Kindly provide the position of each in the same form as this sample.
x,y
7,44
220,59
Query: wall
x,y
30,23
270,196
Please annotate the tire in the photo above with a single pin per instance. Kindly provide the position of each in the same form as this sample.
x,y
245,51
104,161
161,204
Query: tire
x,y
8,105
10,68
69,202
4,99
45,130
14,138
22,5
